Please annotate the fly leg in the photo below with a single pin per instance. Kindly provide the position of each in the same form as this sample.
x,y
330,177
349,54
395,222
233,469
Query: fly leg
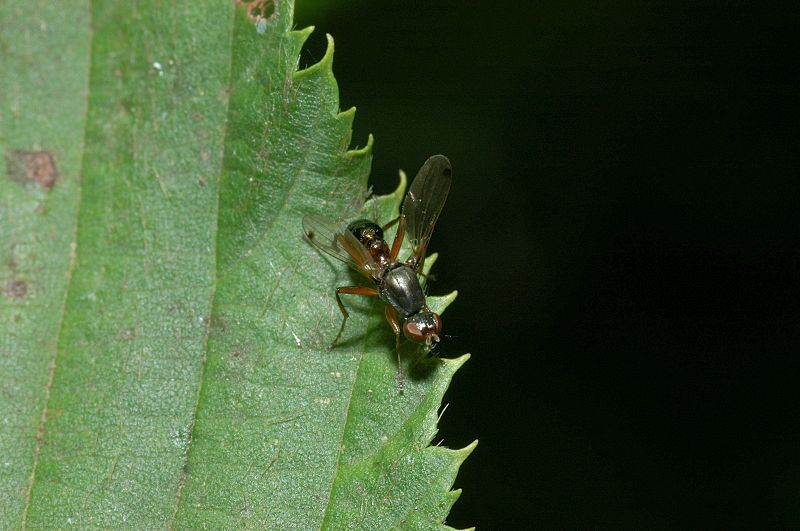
x,y
398,242
349,290
398,239
429,277
390,224
391,317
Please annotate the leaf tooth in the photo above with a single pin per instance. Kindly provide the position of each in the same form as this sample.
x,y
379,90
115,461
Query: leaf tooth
x,y
463,453
323,66
302,35
438,303
362,152
453,364
400,191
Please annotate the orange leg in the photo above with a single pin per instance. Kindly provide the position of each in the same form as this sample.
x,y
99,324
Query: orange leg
x,y
390,224
391,317
349,290
398,239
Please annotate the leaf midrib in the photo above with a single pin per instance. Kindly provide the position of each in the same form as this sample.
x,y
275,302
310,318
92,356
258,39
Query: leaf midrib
x,y
73,252
346,421
214,280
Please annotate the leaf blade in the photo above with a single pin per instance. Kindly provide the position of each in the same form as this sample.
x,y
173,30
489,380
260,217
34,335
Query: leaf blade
x,y
126,380
192,385
42,117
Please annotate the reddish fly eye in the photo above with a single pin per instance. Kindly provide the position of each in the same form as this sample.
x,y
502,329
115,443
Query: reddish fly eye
x,y
423,327
412,332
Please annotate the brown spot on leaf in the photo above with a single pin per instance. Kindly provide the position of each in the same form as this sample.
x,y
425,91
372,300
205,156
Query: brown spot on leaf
x,y
32,167
16,289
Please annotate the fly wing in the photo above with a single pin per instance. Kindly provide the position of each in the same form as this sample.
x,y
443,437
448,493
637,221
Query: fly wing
x,y
334,239
424,202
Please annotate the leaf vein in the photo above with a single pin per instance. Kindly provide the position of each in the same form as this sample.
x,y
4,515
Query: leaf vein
x,y
51,369
212,296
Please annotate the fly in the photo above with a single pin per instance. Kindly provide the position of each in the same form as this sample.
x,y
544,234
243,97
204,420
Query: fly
x,y
361,245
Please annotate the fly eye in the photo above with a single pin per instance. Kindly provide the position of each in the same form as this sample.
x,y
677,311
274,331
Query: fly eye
x,y
423,328
413,332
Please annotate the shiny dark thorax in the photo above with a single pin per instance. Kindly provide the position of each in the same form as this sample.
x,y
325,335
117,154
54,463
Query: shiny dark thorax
x,y
400,287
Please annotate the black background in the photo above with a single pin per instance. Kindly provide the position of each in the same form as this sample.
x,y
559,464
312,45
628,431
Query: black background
x,y
623,233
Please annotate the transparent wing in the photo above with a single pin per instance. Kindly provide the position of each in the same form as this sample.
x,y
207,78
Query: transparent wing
x,y
424,202
333,238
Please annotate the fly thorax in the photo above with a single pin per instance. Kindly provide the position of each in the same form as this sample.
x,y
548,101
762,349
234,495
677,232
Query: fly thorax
x,y
370,235
401,289
365,231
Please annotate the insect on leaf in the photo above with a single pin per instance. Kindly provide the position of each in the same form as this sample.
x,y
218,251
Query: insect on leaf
x,y
162,321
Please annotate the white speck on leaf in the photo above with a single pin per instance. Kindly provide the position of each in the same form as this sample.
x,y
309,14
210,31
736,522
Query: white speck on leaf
x,y
180,438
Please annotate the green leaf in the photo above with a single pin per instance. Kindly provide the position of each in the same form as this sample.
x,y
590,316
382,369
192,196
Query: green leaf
x,y
162,323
